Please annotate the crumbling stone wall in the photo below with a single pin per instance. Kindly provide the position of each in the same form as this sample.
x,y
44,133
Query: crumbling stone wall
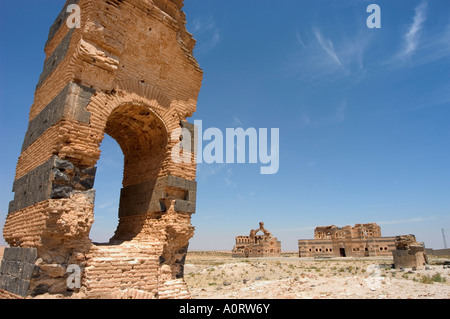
x,y
128,72
409,253
254,245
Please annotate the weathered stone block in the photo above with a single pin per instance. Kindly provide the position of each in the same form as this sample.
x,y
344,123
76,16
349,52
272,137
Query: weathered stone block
x,y
34,187
61,20
190,207
177,182
63,165
61,191
27,271
192,186
30,256
191,196
55,59
60,176
70,103
181,206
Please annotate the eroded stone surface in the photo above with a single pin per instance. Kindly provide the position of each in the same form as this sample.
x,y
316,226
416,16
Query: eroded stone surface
x,y
409,253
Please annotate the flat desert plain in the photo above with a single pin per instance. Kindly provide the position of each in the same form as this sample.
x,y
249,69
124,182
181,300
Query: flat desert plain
x,y
216,275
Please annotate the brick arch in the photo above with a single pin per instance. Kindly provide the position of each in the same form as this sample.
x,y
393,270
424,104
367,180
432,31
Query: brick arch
x,y
143,138
110,77
103,104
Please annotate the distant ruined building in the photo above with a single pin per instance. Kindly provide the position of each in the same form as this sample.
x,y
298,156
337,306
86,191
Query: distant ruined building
x,y
255,245
362,240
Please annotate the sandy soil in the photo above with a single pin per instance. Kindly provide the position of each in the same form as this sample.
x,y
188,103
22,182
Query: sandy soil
x,y
215,275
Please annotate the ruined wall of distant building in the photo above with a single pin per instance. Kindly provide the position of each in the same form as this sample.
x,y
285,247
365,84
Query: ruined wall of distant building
x,y
254,245
437,252
409,253
361,240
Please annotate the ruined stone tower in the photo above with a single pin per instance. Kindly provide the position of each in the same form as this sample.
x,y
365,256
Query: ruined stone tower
x,y
127,71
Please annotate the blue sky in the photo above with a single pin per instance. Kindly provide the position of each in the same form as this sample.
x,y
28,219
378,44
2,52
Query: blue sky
x,y
363,115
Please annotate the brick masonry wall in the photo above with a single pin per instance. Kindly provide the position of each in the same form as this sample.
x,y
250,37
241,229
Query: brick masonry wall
x,y
111,269
137,82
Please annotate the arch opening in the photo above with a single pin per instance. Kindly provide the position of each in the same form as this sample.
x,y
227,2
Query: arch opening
x,y
142,138
108,183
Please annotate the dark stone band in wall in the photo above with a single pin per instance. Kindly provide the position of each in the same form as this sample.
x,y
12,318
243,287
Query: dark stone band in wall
x,y
17,269
33,187
185,206
150,196
60,20
55,59
73,100
55,179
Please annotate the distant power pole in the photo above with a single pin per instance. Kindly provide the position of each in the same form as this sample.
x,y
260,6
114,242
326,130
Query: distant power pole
x,y
443,236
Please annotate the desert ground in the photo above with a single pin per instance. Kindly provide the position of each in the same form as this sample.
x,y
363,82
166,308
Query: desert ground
x,y
216,275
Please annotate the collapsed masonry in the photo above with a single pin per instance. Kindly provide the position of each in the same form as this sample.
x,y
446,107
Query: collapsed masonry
x,y
361,240
128,72
409,253
255,245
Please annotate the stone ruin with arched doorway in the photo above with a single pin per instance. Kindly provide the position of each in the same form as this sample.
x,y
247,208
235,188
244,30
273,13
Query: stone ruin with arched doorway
x,y
128,72
255,245
361,240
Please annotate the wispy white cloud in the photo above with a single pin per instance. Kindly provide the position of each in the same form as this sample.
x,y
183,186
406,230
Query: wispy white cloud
x,y
421,45
207,33
435,47
299,39
412,36
320,57
328,46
